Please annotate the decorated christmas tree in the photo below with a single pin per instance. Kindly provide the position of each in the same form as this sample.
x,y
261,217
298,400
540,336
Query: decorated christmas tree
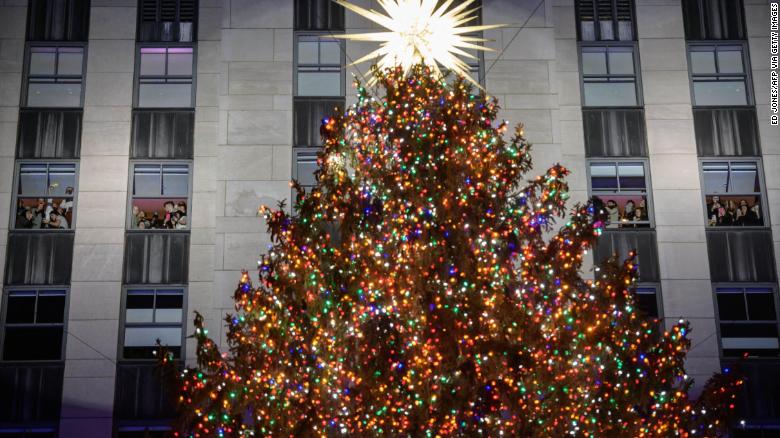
x,y
425,287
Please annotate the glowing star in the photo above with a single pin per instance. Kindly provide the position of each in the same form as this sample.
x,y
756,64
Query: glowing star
x,y
421,33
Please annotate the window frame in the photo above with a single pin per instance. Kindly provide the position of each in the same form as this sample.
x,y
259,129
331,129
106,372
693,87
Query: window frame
x,y
762,194
123,317
742,285
139,46
342,67
26,71
29,18
15,194
615,21
139,22
131,195
65,315
656,286
648,187
746,67
637,76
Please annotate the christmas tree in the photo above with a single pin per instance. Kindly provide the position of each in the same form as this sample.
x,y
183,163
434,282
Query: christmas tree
x,y
423,288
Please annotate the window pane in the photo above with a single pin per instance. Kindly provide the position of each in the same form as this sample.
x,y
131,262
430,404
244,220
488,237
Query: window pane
x,y
140,306
51,307
60,95
720,92
33,180
21,307
147,336
632,176
166,213
330,52
70,61
180,61
703,62
160,95
730,60
32,343
42,61
734,211
62,179
610,94
603,176
152,62
621,63
594,63
744,178
626,211
761,306
146,181
716,177
319,83
176,180
731,307
307,52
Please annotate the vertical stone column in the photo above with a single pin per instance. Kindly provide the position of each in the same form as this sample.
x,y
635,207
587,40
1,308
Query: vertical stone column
x,y
96,287
254,137
13,16
674,174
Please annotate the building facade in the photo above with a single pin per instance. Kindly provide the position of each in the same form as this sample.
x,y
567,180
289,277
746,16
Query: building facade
x,y
139,137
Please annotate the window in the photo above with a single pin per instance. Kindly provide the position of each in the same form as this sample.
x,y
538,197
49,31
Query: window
x,y
609,76
54,76
740,255
605,20
726,132
160,196
622,242
732,193
319,66
36,258
34,324
614,132
305,166
646,300
623,189
165,77
162,134
45,195
144,432
34,432
167,20
152,315
156,257
58,20
308,115
719,75
747,317
49,134
318,15
713,20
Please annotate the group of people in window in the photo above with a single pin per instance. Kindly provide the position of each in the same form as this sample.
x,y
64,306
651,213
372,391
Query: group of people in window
x,y
45,213
626,213
172,216
733,211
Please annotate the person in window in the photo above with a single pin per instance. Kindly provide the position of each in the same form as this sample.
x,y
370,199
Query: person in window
x,y
67,203
643,209
181,207
156,222
181,221
613,213
57,220
729,217
715,211
20,208
134,217
756,210
746,216
168,221
628,211
39,213
25,220
639,217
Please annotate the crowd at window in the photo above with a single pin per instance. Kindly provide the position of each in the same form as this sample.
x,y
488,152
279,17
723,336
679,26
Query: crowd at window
x,y
172,216
45,196
621,188
733,211
732,193
48,213
160,194
626,211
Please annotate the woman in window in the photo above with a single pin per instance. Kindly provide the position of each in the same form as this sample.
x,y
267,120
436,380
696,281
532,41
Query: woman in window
x,y
614,213
628,211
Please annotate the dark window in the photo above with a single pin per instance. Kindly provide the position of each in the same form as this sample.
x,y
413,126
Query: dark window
x,y
759,401
605,20
45,195
58,20
152,315
165,77
620,243
39,258
141,395
156,258
162,134
719,75
54,76
622,188
615,133
305,166
49,134
35,432
748,321
726,132
713,20
319,65
32,393
609,76
167,20
733,193
143,432
160,196
34,324
318,15
646,297
741,255
308,117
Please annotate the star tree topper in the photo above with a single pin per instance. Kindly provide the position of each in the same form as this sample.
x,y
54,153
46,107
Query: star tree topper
x,y
419,32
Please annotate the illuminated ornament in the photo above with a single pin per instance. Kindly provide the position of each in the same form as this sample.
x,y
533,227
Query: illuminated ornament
x,y
421,33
